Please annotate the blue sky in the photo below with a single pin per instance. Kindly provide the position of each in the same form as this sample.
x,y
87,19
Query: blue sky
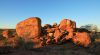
x,y
50,11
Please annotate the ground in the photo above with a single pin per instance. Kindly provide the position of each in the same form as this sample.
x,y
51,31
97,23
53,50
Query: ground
x,y
64,49
69,49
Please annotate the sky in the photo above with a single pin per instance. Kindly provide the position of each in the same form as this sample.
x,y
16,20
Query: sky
x,y
50,11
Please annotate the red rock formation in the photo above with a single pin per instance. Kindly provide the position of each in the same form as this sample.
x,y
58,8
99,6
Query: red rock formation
x,y
63,24
70,34
82,38
67,25
5,33
29,28
57,35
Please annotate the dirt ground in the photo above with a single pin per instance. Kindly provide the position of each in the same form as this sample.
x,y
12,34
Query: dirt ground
x,y
66,49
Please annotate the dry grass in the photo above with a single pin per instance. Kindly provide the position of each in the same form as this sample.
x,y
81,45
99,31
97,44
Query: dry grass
x,y
18,46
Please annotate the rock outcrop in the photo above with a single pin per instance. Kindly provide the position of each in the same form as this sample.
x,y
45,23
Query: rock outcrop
x,y
51,34
82,38
5,33
29,28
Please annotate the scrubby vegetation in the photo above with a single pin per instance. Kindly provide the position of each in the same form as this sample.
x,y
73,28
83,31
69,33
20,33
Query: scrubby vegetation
x,y
17,45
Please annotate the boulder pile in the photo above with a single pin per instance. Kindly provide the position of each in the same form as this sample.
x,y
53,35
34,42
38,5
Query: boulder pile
x,y
51,34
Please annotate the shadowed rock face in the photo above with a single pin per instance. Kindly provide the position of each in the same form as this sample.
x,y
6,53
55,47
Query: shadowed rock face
x,y
74,24
29,28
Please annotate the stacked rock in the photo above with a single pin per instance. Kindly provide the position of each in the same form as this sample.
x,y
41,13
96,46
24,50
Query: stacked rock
x,y
51,34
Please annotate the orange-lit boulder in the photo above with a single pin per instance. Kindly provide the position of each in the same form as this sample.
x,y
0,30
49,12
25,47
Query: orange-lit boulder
x,y
82,38
63,24
70,34
49,30
57,35
5,33
29,28
67,24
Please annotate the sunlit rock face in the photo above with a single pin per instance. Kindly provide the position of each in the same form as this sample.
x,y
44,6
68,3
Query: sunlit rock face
x,y
57,35
67,24
29,28
82,38
5,33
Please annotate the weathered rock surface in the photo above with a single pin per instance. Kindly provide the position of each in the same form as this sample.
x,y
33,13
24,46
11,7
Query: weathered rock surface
x,y
82,38
57,35
29,28
67,24
5,33
50,35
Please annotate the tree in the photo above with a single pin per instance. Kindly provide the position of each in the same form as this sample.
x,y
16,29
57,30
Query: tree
x,y
90,27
